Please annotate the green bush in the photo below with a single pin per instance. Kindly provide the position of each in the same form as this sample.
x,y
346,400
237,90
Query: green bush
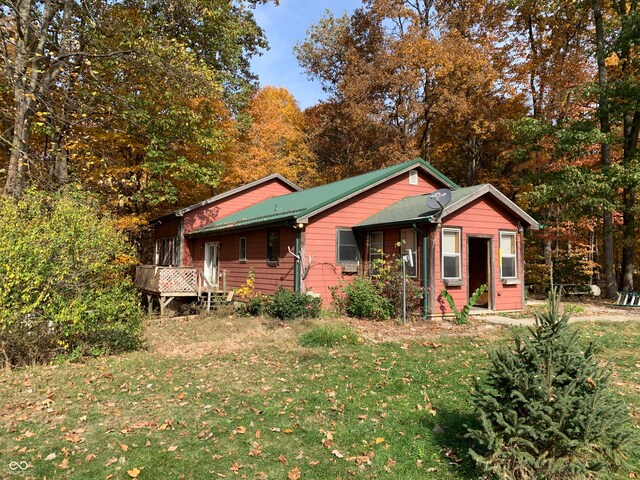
x,y
546,409
64,282
288,305
362,298
330,335
388,280
255,306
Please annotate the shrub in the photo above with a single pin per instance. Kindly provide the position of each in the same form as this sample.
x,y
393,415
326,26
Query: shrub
x,y
388,279
362,298
330,335
64,283
287,305
546,409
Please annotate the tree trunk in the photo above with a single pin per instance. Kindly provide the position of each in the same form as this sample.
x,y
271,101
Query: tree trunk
x,y
18,158
605,150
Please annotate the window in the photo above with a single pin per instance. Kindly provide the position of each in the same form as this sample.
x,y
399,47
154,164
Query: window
x,y
413,177
347,246
451,254
242,249
376,254
409,242
167,251
273,246
508,268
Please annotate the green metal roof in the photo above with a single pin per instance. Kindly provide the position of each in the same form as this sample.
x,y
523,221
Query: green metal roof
x,y
301,205
414,209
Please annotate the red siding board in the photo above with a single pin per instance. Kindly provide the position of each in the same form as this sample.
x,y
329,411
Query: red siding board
x,y
321,231
482,218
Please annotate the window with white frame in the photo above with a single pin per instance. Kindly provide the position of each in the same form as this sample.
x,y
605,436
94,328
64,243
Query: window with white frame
x,y
242,249
408,237
167,251
451,263
347,248
376,251
413,177
508,256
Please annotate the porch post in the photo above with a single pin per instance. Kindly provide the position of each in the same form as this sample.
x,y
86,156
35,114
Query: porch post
x,y
425,275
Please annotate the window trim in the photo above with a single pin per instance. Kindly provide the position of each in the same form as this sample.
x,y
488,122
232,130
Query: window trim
x,y
242,252
273,262
514,235
413,177
403,250
339,261
459,254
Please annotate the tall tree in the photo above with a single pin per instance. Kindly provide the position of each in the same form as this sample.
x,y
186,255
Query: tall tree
x,y
274,142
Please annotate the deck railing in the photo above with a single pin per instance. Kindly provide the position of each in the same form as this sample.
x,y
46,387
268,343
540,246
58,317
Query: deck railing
x,y
157,279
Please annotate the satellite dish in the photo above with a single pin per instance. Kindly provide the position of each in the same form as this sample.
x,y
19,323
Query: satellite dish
x,y
439,199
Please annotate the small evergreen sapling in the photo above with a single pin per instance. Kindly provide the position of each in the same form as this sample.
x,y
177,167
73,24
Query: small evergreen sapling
x,y
546,409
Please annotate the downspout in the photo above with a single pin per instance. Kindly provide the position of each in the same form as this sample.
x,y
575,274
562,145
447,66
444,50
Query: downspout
x,y
296,270
425,265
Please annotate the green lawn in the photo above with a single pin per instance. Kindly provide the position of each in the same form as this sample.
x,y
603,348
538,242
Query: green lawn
x,y
236,398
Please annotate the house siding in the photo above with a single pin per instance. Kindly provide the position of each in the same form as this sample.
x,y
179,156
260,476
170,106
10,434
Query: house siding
x,y
215,211
482,218
267,278
321,231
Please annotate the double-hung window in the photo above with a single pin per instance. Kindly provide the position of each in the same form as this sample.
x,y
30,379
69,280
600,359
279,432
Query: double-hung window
x,y
409,242
451,258
376,253
347,249
242,249
508,256
273,246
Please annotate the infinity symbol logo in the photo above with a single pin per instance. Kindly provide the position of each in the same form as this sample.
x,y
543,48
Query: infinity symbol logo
x,y
18,466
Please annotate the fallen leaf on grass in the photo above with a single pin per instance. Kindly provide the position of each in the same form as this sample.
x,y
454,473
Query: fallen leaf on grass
x,y
294,474
379,440
29,434
111,461
50,457
337,454
283,459
89,457
172,448
124,447
64,463
133,473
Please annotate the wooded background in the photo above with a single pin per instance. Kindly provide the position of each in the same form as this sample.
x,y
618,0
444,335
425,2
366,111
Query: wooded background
x,y
151,105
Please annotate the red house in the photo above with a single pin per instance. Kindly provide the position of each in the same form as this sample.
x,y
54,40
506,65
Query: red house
x,y
309,240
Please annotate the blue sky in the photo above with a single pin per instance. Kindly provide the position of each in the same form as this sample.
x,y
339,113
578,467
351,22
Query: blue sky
x,y
285,25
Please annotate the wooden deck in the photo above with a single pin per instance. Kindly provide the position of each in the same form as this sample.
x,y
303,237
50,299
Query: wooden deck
x,y
167,283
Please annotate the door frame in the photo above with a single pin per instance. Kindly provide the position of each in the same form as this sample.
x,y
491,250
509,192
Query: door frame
x,y
211,269
489,268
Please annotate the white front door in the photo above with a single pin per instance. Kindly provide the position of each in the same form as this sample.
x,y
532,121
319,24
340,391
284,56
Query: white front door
x,y
211,263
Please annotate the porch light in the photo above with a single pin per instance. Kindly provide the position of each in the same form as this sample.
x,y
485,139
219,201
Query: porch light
x,y
300,226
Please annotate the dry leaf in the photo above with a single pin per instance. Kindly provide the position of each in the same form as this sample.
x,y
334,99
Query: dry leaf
x,y
133,473
337,454
64,463
29,434
182,395
50,457
172,448
283,459
89,457
124,447
111,461
294,474
379,440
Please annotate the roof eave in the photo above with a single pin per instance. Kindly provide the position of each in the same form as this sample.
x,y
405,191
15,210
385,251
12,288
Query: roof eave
x,y
228,193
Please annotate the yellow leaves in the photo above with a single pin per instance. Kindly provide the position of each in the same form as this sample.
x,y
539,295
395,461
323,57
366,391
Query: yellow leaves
x,y
612,60
294,474
379,440
133,473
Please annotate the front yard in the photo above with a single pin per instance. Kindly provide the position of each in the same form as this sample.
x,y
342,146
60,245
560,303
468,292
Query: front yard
x,y
237,397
